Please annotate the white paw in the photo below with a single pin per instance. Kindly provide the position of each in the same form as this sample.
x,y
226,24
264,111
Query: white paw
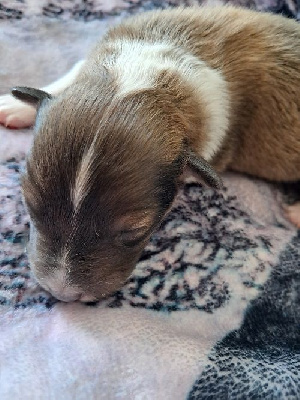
x,y
15,114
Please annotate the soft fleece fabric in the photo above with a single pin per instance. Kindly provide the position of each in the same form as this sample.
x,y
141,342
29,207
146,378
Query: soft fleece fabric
x,y
212,308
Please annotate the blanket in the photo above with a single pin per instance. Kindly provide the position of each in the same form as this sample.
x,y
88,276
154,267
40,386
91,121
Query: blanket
x,y
212,308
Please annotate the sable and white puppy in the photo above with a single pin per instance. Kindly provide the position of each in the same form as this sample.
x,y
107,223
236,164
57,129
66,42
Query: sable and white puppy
x,y
161,90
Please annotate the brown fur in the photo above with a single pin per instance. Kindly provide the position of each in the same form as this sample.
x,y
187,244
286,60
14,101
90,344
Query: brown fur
x,y
134,145
133,172
259,56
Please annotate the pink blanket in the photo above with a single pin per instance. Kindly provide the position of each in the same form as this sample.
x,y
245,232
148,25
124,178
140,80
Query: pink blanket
x,y
211,310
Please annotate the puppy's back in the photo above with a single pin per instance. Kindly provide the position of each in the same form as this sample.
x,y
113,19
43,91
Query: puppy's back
x,y
258,56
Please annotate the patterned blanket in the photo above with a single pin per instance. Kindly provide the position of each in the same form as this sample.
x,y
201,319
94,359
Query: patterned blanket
x,y
211,310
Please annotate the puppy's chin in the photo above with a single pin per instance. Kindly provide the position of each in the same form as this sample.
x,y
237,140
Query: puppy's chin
x,y
85,298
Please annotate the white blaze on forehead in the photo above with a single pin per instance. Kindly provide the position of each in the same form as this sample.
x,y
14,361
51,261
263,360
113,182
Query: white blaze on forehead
x,y
83,176
138,64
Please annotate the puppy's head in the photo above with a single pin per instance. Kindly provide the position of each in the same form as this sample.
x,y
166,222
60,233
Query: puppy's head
x,y
101,175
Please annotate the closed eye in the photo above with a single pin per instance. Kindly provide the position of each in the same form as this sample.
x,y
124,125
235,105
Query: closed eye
x,y
133,237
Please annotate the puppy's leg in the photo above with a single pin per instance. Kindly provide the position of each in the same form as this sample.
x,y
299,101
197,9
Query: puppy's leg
x,y
293,213
16,114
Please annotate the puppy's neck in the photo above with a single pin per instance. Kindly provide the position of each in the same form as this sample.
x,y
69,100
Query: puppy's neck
x,y
138,66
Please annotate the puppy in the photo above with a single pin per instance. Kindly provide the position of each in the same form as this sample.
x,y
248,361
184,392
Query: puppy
x,y
210,88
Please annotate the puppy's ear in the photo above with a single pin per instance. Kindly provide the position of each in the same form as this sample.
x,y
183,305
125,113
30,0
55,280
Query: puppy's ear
x,y
201,167
31,96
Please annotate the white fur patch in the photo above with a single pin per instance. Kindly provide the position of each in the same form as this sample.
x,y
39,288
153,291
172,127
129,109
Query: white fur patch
x,y
139,63
212,89
57,282
83,175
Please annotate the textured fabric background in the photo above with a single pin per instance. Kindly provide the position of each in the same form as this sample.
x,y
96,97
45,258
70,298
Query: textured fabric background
x,y
212,308
88,10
